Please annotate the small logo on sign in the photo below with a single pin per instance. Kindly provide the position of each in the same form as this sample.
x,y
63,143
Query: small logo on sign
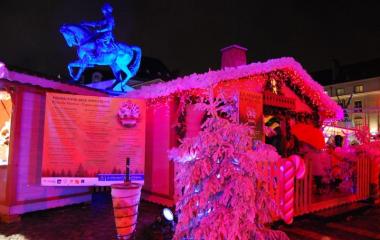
x,y
129,114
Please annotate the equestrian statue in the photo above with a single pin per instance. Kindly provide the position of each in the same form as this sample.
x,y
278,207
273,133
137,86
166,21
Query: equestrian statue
x,y
96,46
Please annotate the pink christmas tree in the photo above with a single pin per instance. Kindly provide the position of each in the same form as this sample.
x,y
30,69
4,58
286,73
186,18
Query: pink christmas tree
x,y
220,191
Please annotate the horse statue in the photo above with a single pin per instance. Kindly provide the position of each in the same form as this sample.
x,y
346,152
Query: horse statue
x,y
124,60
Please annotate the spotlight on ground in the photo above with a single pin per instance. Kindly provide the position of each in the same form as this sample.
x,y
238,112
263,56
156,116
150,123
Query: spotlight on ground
x,y
164,226
168,214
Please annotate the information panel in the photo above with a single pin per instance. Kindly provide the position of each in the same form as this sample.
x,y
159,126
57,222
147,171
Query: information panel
x,y
87,140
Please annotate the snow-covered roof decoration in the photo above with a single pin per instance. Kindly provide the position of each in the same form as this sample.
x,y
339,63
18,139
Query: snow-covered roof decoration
x,y
3,70
14,76
299,77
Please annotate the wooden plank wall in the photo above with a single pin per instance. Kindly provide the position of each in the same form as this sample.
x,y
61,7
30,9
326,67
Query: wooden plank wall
x,y
158,182
31,110
22,191
3,183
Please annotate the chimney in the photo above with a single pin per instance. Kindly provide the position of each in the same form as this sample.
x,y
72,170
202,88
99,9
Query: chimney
x,y
233,56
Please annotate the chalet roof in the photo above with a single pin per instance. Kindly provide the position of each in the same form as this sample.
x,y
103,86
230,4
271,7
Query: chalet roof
x,y
299,77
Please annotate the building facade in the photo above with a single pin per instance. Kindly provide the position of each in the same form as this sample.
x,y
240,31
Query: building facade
x,y
356,88
361,100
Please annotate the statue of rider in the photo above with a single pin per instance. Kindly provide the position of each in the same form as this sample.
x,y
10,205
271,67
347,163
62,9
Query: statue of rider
x,y
103,30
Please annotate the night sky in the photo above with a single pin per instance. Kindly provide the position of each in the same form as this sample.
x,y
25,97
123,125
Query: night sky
x,y
186,35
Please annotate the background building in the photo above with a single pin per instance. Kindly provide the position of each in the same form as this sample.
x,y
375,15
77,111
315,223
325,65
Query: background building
x,y
356,88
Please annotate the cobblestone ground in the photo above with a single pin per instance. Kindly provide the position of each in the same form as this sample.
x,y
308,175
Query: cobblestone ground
x,y
84,221
361,226
95,221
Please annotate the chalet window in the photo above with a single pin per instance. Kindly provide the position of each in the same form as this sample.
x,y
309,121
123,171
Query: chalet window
x,y
340,91
358,89
358,107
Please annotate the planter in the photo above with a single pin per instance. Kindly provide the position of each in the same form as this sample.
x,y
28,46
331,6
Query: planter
x,y
125,200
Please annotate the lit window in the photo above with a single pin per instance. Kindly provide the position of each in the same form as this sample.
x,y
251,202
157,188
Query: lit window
x,y
358,89
340,91
358,107
358,122
5,126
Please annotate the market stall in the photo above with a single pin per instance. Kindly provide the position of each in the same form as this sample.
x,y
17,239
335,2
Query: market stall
x,y
23,109
289,96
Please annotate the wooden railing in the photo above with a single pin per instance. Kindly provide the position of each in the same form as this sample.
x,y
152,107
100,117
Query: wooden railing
x,y
303,188
303,191
364,177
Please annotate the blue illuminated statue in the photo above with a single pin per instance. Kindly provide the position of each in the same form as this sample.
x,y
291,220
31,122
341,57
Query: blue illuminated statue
x,y
96,46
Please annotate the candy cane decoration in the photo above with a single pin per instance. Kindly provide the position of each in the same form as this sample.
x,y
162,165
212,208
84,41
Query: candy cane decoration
x,y
294,166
